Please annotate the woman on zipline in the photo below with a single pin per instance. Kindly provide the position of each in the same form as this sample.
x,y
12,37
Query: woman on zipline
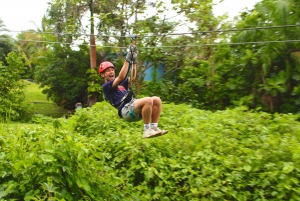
x,y
117,91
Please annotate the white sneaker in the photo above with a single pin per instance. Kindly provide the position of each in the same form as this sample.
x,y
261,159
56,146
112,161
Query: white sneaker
x,y
151,133
162,132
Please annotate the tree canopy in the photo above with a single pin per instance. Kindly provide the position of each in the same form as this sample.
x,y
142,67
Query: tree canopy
x,y
209,62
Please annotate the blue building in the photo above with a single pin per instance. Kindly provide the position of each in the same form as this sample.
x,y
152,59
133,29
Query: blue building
x,y
158,71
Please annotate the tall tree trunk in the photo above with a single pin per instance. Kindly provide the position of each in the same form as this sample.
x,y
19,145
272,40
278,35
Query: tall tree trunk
x,y
93,99
93,51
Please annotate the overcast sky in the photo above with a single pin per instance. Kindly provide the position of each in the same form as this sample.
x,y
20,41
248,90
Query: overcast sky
x,y
20,15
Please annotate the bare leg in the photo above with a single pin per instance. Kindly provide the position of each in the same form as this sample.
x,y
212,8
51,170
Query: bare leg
x,y
156,109
143,107
150,109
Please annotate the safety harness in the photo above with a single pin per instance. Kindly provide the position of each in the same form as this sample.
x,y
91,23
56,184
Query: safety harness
x,y
126,98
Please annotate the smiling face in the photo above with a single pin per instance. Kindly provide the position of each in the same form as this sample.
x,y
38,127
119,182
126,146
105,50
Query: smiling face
x,y
108,74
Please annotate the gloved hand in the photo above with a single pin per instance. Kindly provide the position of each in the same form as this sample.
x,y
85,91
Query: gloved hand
x,y
130,55
132,48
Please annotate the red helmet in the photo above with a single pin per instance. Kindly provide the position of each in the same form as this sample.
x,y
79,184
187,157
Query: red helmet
x,y
104,65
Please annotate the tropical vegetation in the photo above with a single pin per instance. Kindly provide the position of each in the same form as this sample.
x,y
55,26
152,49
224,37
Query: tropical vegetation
x,y
231,93
217,64
232,154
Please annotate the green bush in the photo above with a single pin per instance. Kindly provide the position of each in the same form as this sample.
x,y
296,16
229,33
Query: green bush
x,y
63,75
41,119
12,99
101,119
94,155
40,164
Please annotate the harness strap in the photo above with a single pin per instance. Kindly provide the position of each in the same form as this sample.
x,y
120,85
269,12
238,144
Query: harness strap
x,y
125,97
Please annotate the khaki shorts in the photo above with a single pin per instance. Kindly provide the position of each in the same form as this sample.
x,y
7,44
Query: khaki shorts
x,y
128,112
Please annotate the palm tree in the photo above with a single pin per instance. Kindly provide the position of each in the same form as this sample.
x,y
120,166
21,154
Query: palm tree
x,y
32,43
27,45
5,42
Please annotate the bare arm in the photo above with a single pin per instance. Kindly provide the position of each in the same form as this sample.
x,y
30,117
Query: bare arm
x,y
122,74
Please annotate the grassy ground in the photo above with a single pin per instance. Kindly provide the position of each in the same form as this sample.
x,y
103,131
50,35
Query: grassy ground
x,y
40,103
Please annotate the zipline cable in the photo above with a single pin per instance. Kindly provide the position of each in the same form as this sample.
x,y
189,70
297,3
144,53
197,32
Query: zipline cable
x,y
161,47
169,34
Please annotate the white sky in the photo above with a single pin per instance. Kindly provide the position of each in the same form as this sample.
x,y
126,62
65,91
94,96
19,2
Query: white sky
x,y
20,15
232,7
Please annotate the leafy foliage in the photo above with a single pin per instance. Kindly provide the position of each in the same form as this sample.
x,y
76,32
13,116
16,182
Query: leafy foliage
x,y
260,71
12,104
261,74
94,84
224,155
6,44
50,165
270,66
63,75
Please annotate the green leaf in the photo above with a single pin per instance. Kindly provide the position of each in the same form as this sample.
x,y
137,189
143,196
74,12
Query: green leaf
x,y
83,182
247,168
2,194
287,168
47,158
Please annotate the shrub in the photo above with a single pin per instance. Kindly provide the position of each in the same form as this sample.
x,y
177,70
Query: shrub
x,y
102,118
40,164
12,105
94,155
